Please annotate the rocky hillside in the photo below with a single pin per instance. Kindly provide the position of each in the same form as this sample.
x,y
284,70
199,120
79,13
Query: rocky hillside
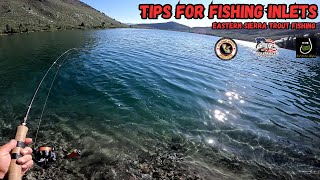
x,y
45,15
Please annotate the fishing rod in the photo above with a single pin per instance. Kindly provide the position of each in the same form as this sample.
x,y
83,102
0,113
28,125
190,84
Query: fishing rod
x,y
15,170
45,102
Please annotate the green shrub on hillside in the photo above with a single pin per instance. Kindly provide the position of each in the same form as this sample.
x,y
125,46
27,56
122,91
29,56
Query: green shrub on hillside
x,y
47,15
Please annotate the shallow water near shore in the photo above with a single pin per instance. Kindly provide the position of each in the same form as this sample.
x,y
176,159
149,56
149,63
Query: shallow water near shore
x,y
130,94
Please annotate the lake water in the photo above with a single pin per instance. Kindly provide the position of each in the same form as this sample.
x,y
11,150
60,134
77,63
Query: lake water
x,y
127,91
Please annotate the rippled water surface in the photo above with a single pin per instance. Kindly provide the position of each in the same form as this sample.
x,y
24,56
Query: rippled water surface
x,y
127,91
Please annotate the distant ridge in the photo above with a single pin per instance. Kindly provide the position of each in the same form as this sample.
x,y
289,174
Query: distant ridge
x,y
165,26
241,34
45,15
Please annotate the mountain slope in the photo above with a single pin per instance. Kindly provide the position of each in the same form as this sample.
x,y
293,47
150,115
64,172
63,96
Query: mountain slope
x,y
165,26
38,15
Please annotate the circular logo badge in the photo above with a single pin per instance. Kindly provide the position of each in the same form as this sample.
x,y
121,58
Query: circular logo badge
x,y
226,49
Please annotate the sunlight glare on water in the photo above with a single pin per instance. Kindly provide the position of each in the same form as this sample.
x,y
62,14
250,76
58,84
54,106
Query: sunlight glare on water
x,y
130,90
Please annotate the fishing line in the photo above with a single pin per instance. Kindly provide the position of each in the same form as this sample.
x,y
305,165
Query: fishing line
x,y
67,53
22,130
48,94
36,92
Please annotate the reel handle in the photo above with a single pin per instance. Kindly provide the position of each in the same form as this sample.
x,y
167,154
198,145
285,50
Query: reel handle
x,y
15,169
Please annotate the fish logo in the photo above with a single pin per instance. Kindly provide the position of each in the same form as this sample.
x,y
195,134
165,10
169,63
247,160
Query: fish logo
x,y
266,47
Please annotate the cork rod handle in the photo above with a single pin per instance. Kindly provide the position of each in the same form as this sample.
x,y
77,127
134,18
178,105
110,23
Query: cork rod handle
x,y
15,169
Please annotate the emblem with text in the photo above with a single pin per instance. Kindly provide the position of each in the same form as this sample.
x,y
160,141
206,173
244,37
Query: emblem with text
x,y
306,47
226,49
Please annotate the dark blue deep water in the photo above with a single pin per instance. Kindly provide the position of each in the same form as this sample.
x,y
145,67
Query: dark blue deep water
x,y
127,91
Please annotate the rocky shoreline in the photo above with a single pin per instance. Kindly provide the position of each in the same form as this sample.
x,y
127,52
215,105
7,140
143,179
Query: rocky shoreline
x,y
161,164
59,29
